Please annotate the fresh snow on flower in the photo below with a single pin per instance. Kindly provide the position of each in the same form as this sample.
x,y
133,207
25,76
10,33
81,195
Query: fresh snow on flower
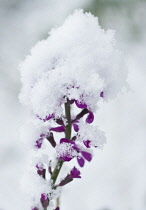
x,y
92,134
77,60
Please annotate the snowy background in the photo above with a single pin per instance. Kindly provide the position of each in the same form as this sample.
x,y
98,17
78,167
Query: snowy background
x,y
115,179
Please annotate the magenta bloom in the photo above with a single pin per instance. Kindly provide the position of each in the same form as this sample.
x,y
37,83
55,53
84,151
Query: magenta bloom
x,y
44,200
58,129
102,94
87,143
40,169
50,116
76,127
39,142
84,156
51,139
81,161
67,156
90,118
80,105
81,157
74,173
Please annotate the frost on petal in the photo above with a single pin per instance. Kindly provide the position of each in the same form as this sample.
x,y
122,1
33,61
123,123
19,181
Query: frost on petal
x,y
40,169
66,150
92,133
80,104
38,143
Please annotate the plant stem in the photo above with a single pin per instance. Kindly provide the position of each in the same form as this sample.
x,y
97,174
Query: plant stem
x,y
68,136
68,117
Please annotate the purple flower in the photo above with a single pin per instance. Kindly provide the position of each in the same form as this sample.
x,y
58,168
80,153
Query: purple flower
x,y
87,143
87,155
59,121
81,158
39,143
66,155
50,138
81,155
81,161
50,116
80,105
44,200
40,170
74,173
90,118
58,129
102,94
57,208
76,127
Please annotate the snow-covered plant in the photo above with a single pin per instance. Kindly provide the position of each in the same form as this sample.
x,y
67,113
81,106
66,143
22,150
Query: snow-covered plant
x,y
63,79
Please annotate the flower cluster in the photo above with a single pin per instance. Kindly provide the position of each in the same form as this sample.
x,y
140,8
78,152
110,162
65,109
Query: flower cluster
x,y
62,81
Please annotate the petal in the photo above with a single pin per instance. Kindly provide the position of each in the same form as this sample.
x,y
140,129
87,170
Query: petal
x,y
81,161
39,143
90,118
64,140
87,143
80,104
51,139
44,197
58,129
87,155
50,116
66,158
44,200
74,173
76,127
102,94
59,121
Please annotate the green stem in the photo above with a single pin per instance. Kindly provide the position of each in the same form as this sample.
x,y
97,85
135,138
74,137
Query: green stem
x,y
68,136
68,117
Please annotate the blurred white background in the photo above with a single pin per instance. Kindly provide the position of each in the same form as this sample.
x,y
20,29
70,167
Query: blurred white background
x,y
116,178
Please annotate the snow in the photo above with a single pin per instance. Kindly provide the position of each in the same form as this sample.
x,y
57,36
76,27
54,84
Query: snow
x,y
77,60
